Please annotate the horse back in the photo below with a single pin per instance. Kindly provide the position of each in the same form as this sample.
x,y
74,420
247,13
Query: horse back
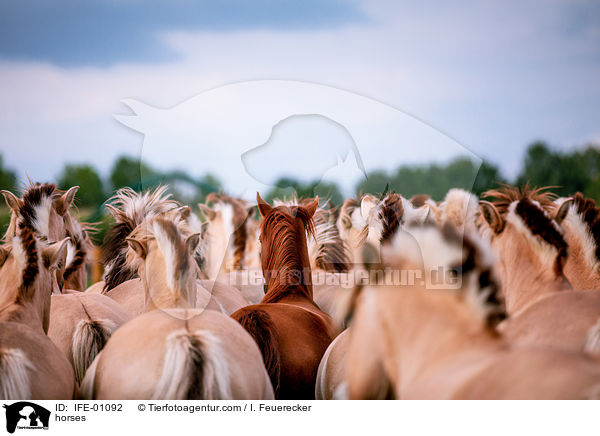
x,y
295,337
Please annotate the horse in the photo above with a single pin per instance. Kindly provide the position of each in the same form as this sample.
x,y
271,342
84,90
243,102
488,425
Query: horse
x,y
178,350
331,376
289,328
129,209
411,342
230,220
581,225
544,310
460,208
530,244
31,366
79,324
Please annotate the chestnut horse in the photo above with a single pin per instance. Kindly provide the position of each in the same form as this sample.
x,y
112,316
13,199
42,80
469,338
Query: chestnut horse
x,y
291,331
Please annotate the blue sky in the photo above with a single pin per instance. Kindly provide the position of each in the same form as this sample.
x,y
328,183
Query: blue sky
x,y
494,76
104,32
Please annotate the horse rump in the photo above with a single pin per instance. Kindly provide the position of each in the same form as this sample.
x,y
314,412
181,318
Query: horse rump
x,y
14,374
89,338
194,368
260,326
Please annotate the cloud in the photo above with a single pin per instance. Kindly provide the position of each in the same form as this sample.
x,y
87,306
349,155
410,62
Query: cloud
x,y
493,76
103,32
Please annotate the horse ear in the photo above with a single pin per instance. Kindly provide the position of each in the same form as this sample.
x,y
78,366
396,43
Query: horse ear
x,y
184,212
563,210
192,242
207,212
12,201
312,206
263,207
138,247
55,254
203,229
3,255
65,201
492,216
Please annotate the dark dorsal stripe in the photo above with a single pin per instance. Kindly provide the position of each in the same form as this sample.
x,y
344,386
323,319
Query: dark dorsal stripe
x,y
473,261
391,214
31,270
113,253
78,259
586,208
540,224
32,198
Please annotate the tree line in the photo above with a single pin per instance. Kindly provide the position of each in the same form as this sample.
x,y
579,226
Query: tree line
x,y
567,171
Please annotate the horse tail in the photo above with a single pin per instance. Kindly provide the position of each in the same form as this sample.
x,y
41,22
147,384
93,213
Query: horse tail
x,y
260,326
14,374
194,368
86,388
89,338
592,343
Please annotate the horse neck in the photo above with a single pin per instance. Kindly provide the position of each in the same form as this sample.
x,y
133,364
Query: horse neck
x,y
218,253
582,267
526,273
158,292
424,329
76,281
34,311
287,268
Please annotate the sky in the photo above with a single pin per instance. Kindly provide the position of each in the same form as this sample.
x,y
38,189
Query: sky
x,y
489,77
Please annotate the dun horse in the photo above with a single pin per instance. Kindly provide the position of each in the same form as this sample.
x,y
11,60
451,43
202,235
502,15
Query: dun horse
x,y
31,367
179,350
408,342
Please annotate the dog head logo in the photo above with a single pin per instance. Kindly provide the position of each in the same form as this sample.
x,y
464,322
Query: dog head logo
x,y
26,415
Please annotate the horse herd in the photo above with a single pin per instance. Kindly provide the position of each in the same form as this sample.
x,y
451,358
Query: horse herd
x,y
301,300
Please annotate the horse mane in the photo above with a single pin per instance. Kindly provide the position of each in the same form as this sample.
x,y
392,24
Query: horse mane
x,y
345,214
81,244
538,221
331,252
240,218
169,234
507,194
590,215
33,197
283,261
129,209
416,244
28,242
488,296
391,213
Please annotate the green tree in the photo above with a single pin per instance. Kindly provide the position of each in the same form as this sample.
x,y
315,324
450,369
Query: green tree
x,y
8,178
568,172
132,172
91,190
285,187
488,177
